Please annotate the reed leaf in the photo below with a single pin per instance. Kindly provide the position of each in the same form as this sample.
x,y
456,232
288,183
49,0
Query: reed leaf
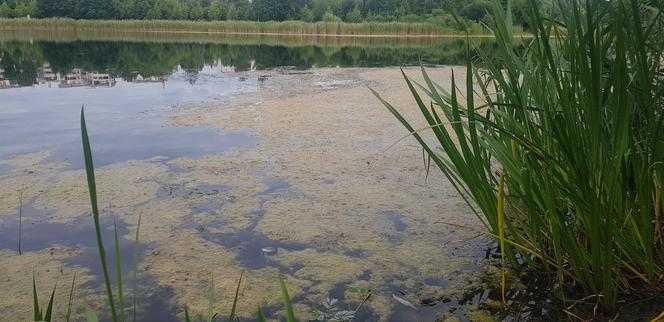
x,y
92,188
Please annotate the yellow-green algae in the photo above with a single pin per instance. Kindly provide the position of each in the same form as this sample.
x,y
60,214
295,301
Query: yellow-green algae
x,y
330,142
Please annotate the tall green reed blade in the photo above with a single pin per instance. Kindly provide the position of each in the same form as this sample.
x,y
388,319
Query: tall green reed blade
x,y
135,268
70,303
210,312
186,314
20,219
118,270
90,174
35,301
90,315
290,314
260,316
49,307
39,314
237,293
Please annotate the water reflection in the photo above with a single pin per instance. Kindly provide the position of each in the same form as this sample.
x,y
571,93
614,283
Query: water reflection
x,y
99,63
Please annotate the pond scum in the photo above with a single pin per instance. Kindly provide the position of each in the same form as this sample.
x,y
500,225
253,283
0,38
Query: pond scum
x,y
560,154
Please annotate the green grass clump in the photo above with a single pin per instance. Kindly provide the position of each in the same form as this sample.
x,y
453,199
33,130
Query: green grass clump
x,y
572,125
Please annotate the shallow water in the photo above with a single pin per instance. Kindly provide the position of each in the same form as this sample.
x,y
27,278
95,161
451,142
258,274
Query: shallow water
x,y
190,191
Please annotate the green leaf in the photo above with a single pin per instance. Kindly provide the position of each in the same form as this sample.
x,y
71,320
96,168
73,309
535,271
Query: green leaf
x,y
118,271
35,300
290,315
71,298
90,315
260,315
92,188
49,308
186,314
237,292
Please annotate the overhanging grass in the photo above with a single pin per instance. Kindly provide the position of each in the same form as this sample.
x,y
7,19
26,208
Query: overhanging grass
x,y
574,125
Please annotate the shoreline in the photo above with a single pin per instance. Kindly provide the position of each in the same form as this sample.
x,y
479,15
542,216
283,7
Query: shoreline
x,y
240,33
250,28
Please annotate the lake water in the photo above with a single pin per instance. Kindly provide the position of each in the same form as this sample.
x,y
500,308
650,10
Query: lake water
x,y
45,79
131,84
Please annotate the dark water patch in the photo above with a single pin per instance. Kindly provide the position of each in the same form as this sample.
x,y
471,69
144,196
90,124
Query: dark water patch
x,y
439,282
338,291
248,247
38,234
274,186
156,302
357,253
328,181
397,220
435,308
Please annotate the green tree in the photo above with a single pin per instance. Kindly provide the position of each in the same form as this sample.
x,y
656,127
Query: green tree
x,y
5,10
354,16
475,10
215,10
166,9
232,12
306,14
56,8
330,17
95,9
276,10
125,9
197,13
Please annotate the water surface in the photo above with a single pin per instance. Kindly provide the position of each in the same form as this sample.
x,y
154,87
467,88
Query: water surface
x,y
130,84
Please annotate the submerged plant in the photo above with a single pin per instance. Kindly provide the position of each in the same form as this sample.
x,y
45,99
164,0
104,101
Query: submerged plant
x,y
572,126
328,311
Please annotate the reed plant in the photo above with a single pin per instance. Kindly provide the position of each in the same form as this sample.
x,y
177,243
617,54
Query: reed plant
x,y
558,146
234,27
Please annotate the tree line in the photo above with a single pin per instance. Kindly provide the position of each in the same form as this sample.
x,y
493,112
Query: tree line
x,y
353,11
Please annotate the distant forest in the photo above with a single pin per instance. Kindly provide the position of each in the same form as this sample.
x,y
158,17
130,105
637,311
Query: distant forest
x,y
352,11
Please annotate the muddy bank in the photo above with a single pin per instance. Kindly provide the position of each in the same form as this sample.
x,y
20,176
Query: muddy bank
x,y
322,187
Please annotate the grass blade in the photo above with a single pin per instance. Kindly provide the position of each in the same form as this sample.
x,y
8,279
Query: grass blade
x,y
20,219
35,300
49,308
136,259
210,313
90,175
71,298
90,315
237,292
186,314
118,271
260,316
290,315
501,235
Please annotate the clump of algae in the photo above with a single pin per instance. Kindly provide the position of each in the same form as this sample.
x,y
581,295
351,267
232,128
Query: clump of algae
x,y
50,271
